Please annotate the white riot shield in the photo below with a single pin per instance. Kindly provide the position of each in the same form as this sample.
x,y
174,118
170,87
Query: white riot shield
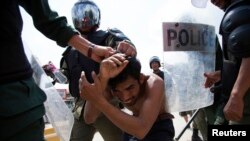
x,y
59,115
189,51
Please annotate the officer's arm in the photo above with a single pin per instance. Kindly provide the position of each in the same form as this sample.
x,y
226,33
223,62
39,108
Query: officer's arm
x,y
242,83
235,105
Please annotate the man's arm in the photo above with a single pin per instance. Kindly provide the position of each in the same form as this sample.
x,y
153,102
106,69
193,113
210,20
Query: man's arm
x,y
137,125
91,113
234,107
56,28
97,53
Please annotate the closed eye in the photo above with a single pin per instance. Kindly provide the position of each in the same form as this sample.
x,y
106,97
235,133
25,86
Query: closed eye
x,y
130,87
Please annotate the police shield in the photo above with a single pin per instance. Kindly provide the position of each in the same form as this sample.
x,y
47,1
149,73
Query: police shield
x,y
189,51
59,115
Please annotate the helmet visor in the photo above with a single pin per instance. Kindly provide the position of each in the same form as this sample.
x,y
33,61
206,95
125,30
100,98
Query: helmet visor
x,y
85,15
199,3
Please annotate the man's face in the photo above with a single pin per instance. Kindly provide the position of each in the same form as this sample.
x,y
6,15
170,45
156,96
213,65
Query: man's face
x,y
220,3
127,91
155,65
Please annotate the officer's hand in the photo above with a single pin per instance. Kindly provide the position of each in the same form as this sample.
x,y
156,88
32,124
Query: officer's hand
x,y
212,78
234,108
95,52
101,52
126,48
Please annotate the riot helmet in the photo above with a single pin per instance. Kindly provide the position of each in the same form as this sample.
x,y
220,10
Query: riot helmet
x,y
86,15
154,59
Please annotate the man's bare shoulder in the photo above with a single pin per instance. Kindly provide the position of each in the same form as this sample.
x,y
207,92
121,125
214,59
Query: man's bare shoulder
x,y
154,84
155,79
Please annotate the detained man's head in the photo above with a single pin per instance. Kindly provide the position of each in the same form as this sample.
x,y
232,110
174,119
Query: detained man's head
x,y
126,86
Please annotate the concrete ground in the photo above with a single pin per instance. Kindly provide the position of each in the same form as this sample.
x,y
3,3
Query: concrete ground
x,y
179,124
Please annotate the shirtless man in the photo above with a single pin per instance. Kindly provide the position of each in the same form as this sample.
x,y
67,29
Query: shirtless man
x,y
120,77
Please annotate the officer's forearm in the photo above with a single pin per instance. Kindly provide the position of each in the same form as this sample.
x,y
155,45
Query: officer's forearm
x,y
80,43
242,83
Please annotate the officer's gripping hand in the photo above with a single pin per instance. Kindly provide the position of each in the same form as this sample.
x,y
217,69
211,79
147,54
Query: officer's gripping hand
x,y
127,48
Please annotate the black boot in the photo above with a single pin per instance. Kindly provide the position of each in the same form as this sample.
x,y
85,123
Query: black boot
x,y
195,136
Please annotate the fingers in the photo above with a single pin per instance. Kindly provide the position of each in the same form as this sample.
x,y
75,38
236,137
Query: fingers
x,y
205,74
210,80
123,65
115,60
126,48
118,59
112,66
95,78
234,108
209,83
83,81
111,51
229,115
206,85
101,52
131,52
96,58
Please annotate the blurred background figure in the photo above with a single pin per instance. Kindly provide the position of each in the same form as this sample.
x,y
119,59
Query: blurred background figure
x,y
196,124
155,64
54,73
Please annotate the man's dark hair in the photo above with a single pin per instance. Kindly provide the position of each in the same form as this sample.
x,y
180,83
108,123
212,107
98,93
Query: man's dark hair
x,y
132,69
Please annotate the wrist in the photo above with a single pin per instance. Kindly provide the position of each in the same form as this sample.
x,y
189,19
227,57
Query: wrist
x,y
103,79
237,94
90,50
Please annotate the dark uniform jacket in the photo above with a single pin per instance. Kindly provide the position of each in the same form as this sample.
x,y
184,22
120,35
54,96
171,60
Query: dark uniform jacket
x,y
21,100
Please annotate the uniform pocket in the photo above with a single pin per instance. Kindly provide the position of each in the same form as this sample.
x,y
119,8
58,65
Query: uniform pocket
x,y
18,97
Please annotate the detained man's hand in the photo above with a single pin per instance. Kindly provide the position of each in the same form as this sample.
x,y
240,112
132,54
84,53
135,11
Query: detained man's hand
x,y
112,66
88,91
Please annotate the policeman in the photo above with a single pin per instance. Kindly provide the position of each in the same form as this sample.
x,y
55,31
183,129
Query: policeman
x,y
155,65
235,31
86,17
